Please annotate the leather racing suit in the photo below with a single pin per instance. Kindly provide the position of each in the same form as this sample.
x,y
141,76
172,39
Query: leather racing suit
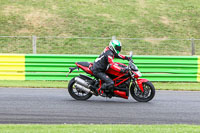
x,y
103,62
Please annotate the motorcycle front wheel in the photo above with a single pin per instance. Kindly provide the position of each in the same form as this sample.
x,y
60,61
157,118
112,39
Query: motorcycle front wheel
x,y
76,93
147,95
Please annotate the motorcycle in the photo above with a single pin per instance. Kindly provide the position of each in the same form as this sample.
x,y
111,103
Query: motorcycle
x,y
83,87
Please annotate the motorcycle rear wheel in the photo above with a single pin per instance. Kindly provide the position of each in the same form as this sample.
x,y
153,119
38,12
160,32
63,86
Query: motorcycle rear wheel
x,y
147,95
77,94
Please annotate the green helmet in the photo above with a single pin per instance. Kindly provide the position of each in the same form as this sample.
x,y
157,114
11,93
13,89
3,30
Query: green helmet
x,y
115,46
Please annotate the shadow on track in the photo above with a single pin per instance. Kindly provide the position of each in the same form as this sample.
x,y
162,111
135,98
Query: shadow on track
x,y
109,101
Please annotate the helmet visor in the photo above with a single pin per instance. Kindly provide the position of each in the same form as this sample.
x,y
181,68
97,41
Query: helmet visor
x,y
118,48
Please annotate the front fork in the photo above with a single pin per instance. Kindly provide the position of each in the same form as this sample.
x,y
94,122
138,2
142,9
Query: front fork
x,y
139,82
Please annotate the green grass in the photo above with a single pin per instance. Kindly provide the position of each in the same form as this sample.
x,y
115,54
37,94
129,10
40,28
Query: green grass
x,y
64,84
99,128
163,19
186,86
34,84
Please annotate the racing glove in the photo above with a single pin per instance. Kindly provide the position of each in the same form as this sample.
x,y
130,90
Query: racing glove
x,y
127,58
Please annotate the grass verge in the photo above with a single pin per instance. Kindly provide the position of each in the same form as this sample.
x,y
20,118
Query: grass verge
x,y
76,128
182,86
63,84
33,84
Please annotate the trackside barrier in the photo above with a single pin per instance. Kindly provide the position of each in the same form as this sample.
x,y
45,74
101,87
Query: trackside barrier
x,y
56,67
53,67
12,67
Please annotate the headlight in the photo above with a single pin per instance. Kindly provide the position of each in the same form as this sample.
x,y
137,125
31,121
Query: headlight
x,y
139,73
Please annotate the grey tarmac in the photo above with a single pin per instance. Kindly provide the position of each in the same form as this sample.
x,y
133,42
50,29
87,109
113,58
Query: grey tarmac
x,y
56,106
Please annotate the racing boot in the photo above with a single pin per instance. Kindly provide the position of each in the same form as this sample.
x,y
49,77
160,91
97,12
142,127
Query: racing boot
x,y
107,90
103,89
111,91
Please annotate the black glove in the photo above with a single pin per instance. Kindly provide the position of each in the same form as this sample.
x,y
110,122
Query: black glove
x,y
127,58
124,70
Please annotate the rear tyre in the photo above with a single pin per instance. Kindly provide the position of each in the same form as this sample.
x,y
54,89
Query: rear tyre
x,y
147,95
76,93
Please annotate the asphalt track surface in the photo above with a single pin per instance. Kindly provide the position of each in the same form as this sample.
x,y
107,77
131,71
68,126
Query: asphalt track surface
x,y
56,106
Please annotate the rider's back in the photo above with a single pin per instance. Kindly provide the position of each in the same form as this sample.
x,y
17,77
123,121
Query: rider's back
x,y
101,64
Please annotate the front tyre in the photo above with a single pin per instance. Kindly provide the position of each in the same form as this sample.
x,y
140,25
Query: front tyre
x,y
76,93
147,95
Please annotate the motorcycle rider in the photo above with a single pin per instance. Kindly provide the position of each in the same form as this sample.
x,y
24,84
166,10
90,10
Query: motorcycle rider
x,y
105,61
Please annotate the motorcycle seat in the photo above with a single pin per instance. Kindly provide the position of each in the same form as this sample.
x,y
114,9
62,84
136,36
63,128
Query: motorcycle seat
x,y
85,64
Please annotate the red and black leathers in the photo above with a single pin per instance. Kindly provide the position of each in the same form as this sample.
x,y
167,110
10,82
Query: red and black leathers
x,y
103,62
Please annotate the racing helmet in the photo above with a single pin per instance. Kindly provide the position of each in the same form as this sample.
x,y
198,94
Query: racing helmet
x,y
115,46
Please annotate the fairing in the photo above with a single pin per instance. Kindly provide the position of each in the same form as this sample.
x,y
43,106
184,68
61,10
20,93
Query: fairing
x,y
114,72
121,94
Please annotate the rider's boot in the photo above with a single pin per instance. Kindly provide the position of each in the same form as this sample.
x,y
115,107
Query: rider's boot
x,y
103,89
108,89
111,91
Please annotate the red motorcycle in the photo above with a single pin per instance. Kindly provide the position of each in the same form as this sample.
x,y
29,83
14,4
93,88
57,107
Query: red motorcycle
x,y
83,87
